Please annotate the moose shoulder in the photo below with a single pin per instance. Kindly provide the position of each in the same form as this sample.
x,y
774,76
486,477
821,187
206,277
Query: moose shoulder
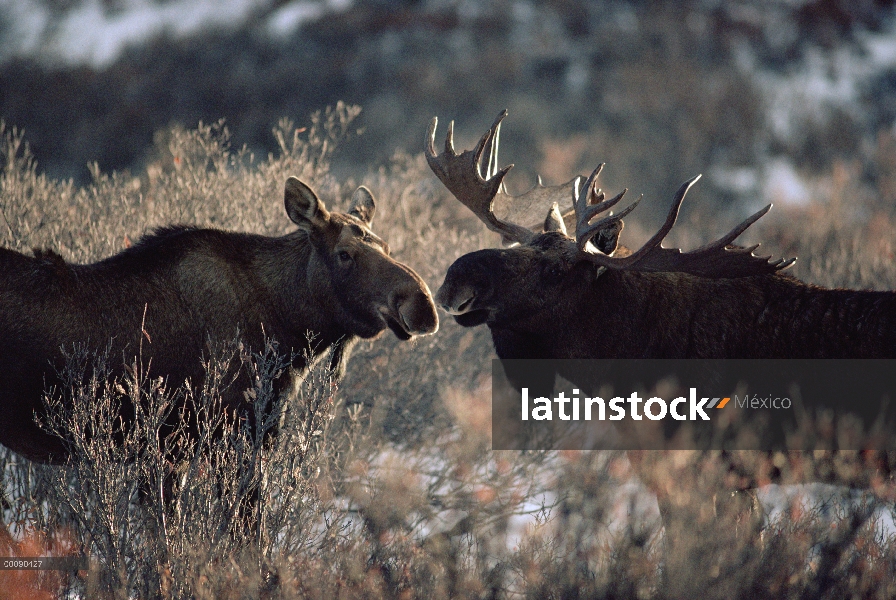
x,y
178,289
584,296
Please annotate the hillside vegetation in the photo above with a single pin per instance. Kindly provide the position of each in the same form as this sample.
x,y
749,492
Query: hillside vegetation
x,y
386,487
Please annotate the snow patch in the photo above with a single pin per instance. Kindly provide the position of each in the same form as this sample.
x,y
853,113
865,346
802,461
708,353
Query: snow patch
x,y
92,34
89,33
739,180
24,23
286,20
782,184
831,502
824,80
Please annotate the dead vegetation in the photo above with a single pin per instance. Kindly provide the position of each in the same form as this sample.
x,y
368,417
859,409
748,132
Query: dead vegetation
x,y
386,487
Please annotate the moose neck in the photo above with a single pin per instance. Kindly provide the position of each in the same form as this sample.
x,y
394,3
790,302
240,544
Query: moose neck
x,y
672,315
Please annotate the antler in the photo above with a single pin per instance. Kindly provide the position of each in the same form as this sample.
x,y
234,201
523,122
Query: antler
x,y
462,175
718,259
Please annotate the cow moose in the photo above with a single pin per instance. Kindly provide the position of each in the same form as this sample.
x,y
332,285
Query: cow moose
x,y
584,296
180,288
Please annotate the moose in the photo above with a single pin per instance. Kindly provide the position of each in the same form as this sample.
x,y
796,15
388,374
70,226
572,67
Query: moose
x,y
180,288
556,295
588,297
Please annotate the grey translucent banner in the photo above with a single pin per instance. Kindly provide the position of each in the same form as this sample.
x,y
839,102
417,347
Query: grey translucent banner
x,y
761,404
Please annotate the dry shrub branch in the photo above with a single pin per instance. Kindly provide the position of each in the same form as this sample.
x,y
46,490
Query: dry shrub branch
x,y
386,486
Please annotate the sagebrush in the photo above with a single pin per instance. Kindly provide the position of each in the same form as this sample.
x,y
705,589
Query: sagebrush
x,y
385,486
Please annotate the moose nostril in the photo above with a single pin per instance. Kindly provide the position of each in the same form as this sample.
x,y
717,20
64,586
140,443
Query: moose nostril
x,y
454,300
403,319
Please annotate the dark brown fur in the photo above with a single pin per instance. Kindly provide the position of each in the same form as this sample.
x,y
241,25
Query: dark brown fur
x,y
539,305
555,297
186,287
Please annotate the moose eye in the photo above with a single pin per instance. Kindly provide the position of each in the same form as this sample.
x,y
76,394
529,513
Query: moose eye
x,y
344,257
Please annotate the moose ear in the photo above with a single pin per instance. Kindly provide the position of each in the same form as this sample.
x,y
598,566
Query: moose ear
x,y
363,205
607,239
554,220
303,206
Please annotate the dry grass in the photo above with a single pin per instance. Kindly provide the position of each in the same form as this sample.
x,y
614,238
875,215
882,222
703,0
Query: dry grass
x,y
387,487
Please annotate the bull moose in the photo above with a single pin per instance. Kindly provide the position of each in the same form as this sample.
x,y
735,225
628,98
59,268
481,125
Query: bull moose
x,y
556,296
182,287
584,296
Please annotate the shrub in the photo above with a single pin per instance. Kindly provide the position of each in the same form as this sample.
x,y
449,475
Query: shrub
x,y
385,486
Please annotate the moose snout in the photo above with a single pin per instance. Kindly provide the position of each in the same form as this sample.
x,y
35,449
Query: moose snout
x,y
455,301
415,312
